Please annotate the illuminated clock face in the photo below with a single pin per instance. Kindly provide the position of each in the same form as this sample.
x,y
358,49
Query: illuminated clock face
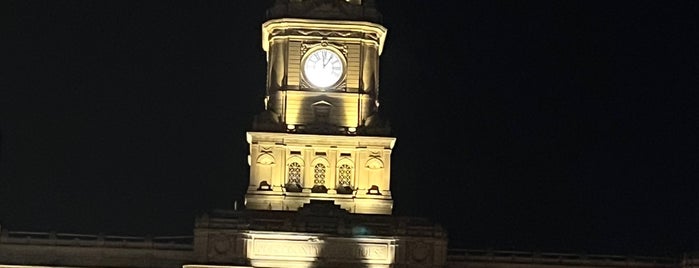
x,y
323,68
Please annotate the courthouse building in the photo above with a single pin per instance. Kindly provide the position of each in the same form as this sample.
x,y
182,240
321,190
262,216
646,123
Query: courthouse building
x,y
319,191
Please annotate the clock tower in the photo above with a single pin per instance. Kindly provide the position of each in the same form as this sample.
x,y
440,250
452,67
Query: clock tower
x,y
320,136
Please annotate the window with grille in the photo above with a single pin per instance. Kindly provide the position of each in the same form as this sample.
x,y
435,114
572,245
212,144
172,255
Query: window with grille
x,y
344,176
294,173
319,174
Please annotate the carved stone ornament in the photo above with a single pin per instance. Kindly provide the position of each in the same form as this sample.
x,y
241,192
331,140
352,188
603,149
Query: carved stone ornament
x,y
372,36
420,251
323,43
265,159
324,33
220,245
374,163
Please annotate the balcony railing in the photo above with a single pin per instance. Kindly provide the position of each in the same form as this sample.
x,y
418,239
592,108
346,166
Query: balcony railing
x,y
82,240
457,255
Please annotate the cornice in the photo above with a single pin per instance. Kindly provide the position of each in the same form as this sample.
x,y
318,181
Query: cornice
x,y
323,28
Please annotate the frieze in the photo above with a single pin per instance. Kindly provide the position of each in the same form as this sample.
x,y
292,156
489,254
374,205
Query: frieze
x,y
324,33
323,43
313,249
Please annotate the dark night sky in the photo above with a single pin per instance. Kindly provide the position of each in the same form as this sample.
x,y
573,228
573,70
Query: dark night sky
x,y
563,126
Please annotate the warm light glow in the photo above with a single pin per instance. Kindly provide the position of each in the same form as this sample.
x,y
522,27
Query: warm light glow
x,y
276,249
354,171
323,68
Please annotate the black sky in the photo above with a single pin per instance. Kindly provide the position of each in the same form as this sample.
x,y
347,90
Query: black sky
x,y
565,126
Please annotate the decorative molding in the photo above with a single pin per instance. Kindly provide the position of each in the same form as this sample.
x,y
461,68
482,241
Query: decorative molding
x,y
326,33
308,45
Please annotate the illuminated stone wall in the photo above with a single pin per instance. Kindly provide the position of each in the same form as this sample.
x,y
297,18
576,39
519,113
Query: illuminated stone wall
x,y
292,98
285,168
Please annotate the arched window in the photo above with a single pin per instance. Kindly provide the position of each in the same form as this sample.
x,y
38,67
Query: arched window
x,y
319,174
344,175
294,173
263,171
319,171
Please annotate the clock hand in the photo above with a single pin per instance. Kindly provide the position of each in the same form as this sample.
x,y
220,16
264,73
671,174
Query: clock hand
x,y
325,57
325,62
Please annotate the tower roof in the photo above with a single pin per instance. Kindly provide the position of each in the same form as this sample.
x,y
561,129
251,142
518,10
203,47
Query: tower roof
x,y
357,10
